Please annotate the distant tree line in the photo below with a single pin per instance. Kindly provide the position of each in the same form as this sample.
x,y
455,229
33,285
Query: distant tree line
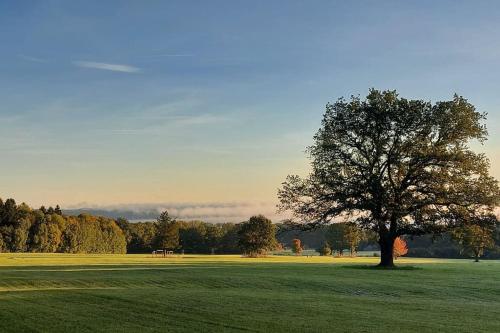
x,y
329,239
190,237
253,238
470,241
465,242
23,229
258,236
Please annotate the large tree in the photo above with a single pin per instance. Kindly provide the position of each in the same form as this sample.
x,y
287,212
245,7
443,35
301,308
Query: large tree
x,y
257,236
395,166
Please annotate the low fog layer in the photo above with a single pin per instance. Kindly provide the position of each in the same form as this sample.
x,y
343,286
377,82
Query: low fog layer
x,y
209,212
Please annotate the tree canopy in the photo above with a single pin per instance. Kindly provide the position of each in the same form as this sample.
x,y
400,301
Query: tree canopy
x,y
257,236
395,166
48,230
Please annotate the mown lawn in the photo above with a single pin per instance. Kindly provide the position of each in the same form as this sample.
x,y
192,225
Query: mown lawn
x,y
137,293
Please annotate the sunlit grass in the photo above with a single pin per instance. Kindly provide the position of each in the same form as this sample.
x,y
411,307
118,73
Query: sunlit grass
x,y
131,293
49,259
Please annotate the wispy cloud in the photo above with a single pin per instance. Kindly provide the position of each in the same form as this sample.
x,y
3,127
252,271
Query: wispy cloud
x,y
175,55
165,110
30,58
128,131
107,67
172,122
202,119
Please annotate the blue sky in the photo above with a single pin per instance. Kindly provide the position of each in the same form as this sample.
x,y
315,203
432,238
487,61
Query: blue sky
x,y
116,102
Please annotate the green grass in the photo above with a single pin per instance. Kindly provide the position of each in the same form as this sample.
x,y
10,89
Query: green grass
x,y
137,293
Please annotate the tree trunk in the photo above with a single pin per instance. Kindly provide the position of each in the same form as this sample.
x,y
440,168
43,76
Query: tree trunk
x,y
386,251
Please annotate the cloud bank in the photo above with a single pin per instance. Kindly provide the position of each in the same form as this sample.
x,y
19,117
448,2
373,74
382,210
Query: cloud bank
x,y
209,212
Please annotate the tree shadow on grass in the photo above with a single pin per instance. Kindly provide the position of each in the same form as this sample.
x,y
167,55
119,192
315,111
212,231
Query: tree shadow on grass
x,y
378,268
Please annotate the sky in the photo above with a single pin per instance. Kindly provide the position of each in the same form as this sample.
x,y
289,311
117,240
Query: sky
x,y
211,104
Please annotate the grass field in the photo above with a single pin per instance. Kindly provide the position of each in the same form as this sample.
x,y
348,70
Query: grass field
x,y
137,293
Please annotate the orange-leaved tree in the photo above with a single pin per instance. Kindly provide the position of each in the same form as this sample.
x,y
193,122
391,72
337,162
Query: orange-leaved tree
x,y
296,246
400,248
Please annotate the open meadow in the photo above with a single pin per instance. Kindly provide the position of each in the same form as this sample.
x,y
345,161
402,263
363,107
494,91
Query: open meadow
x,y
138,293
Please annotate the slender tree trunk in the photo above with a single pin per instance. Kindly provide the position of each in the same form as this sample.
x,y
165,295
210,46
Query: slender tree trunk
x,y
386,243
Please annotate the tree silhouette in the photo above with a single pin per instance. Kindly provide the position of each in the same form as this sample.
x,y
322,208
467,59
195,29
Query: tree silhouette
x,y
395,166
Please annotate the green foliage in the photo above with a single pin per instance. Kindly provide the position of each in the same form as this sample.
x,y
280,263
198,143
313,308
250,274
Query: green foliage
x,y
193,236
478,236
46,233
47,230
125,226
343,236
325,249
167,232
90,234
229,239
257,236
398,166
3,245
141,237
